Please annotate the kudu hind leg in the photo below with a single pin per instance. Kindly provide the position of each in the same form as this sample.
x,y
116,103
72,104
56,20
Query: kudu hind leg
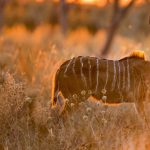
x,y
141,112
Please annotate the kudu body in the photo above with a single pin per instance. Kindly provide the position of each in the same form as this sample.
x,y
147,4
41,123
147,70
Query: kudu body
x,y
111,81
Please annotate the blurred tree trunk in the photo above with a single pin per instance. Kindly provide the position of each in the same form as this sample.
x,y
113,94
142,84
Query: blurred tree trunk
x,y
1,18
63,16
147,1
119,13
3,3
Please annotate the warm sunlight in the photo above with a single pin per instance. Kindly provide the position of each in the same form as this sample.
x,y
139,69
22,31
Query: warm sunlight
x,y
39,1
103,2
74,75
88,1
96,2
125,2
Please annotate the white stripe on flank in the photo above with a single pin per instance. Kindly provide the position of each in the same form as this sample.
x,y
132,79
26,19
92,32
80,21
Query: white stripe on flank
x,y
90,79
114,80
97,76
118,75
106,74
128,74
124,76
68,66
73,68
138,88
82,75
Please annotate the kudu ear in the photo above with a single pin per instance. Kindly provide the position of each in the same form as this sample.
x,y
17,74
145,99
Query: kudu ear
x,y
135,58
138,54
138,60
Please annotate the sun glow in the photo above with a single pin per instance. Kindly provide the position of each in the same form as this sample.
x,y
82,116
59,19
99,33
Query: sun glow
x,y
100,3
125,2
39,1
88,1
96,2
105,2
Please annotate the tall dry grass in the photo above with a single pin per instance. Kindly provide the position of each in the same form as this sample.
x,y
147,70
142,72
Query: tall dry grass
x,y
27,64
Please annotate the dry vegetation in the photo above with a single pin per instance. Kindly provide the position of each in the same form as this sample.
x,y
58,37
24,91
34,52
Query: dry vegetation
x,y
27,64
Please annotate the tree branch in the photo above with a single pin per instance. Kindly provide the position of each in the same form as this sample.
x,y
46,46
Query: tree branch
x,y
119,14
63,15
116,6
126,8
2,6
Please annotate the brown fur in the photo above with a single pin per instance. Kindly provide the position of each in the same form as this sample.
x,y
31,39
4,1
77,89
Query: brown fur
x,y
76,88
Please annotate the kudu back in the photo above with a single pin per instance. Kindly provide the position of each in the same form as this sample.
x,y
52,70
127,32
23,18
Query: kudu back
x,y
109,81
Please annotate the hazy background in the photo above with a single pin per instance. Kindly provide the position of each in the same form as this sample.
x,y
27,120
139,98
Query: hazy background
x,y
36,37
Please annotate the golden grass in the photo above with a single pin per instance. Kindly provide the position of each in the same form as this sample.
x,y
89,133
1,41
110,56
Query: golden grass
x,y
27,64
